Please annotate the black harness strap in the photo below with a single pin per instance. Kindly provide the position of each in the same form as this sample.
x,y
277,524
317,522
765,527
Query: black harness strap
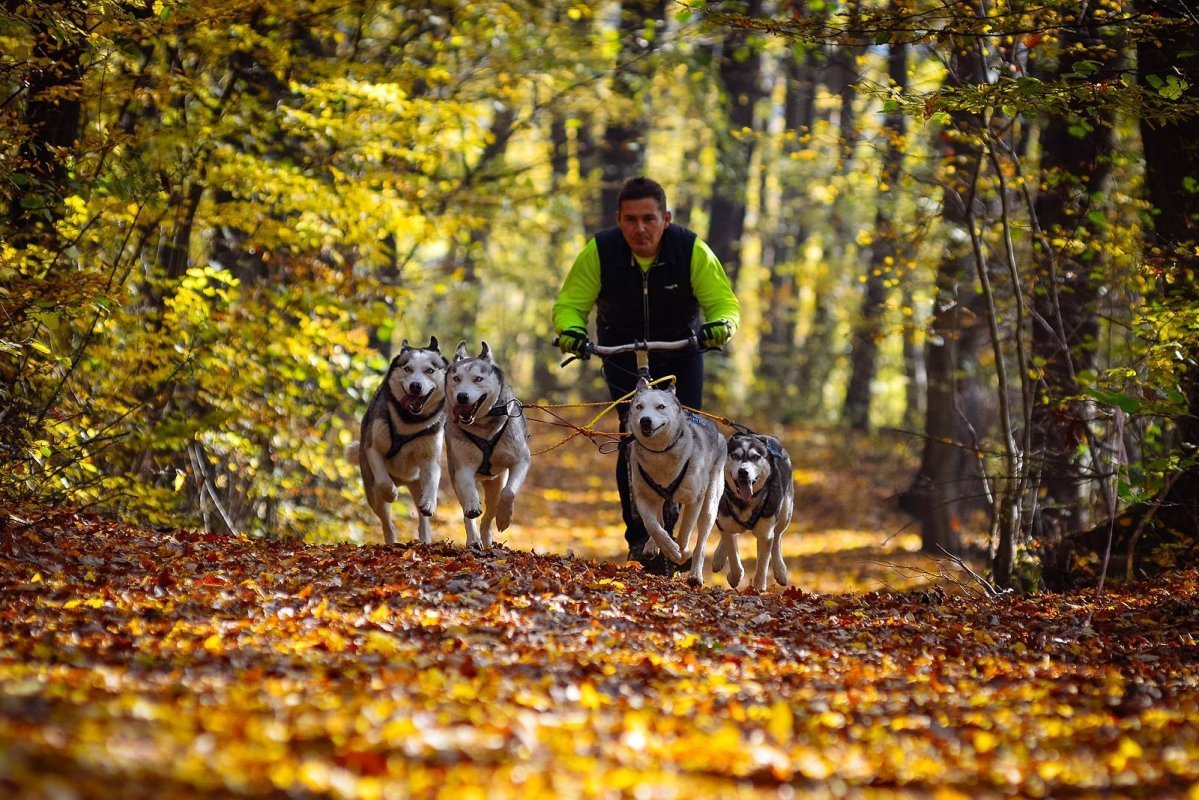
x,y
670,509
487,446
729,500
398,440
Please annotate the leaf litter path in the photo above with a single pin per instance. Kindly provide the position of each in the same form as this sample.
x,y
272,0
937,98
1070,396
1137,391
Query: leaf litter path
x,y
846,535
181,665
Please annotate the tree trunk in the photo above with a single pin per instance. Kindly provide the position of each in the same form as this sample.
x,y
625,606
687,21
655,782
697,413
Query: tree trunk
x,y
623,147
946,482
740,80
883,258
52,114
1075,163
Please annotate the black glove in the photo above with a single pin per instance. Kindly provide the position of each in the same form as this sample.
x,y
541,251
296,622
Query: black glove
x,y
716,334
574,342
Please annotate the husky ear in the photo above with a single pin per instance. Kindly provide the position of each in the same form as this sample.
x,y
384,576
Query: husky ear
x,y
485,353
433,345
405,346
460,352
642,385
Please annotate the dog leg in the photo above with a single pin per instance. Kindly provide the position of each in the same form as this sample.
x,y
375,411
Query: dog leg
x,y
736,568
718,558
380,500
779,566
707,519
467,491
491,498
430,478
516,479
416,489
687,519
660,540
764,557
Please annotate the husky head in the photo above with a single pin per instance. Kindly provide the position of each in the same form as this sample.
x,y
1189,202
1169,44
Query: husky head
x,y
748,465
416,376
655,415
472,383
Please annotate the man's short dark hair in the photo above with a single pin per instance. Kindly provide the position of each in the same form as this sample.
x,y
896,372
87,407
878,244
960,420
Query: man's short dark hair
x,y
639,188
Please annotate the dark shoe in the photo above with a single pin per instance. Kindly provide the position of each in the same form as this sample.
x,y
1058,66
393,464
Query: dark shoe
x,y
658,564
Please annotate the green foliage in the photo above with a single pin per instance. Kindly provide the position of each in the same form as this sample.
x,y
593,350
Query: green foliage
x,y
263,197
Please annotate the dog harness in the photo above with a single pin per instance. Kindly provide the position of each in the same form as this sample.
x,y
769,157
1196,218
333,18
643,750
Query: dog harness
x,y
670,509
728,500
769,504
399,440
487,446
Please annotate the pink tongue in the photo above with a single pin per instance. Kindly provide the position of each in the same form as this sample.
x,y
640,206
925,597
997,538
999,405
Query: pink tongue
x,y
463,411
744,490
412,403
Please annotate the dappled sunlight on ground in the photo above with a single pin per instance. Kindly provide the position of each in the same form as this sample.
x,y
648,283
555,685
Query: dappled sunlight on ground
x,y
846,536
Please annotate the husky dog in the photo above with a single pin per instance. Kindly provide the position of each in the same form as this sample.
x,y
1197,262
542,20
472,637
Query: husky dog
x,y
676,458
759,496
402,435
487,442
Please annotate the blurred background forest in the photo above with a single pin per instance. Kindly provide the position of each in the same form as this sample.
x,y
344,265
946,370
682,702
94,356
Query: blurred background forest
x,y
972,223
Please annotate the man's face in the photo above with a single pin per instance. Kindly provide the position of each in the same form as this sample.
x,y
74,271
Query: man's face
x,y
642,222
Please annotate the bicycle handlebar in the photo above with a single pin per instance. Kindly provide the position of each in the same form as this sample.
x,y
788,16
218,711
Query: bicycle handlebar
x,y
641,344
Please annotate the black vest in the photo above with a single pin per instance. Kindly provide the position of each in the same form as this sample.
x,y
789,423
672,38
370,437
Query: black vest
x,y
658,304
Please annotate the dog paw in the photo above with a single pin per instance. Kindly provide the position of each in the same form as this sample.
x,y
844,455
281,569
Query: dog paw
x,y
735,579
650,549
503,511
472,513
695,581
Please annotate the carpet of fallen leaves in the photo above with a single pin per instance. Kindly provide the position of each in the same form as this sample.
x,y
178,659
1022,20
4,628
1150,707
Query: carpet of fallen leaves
x,y
181,664
846,535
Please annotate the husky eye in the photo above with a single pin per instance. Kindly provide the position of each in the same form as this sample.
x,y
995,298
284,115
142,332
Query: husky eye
x,y
408,370
661,406
754,457
428,370
455,379
478,379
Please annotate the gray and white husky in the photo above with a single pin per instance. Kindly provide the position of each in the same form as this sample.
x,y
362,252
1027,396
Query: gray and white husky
x,y
759,496
487,442
402,435
675,457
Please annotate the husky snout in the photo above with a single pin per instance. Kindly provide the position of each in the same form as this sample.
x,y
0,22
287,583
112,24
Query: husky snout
x,y
647,425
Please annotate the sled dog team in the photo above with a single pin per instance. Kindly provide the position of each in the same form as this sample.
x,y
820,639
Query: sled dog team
x,y
684,476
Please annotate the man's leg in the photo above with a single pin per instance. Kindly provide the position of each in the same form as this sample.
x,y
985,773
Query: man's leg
x,y
620,372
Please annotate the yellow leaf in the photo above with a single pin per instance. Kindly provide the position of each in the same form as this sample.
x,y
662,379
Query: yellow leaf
x,y
1127,751
589,698
985,741
782,722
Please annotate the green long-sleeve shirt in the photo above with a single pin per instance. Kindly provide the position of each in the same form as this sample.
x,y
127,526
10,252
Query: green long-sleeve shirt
x,y
709,282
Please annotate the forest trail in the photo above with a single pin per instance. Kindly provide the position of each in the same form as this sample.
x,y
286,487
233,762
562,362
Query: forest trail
x,y
847,536
176,664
